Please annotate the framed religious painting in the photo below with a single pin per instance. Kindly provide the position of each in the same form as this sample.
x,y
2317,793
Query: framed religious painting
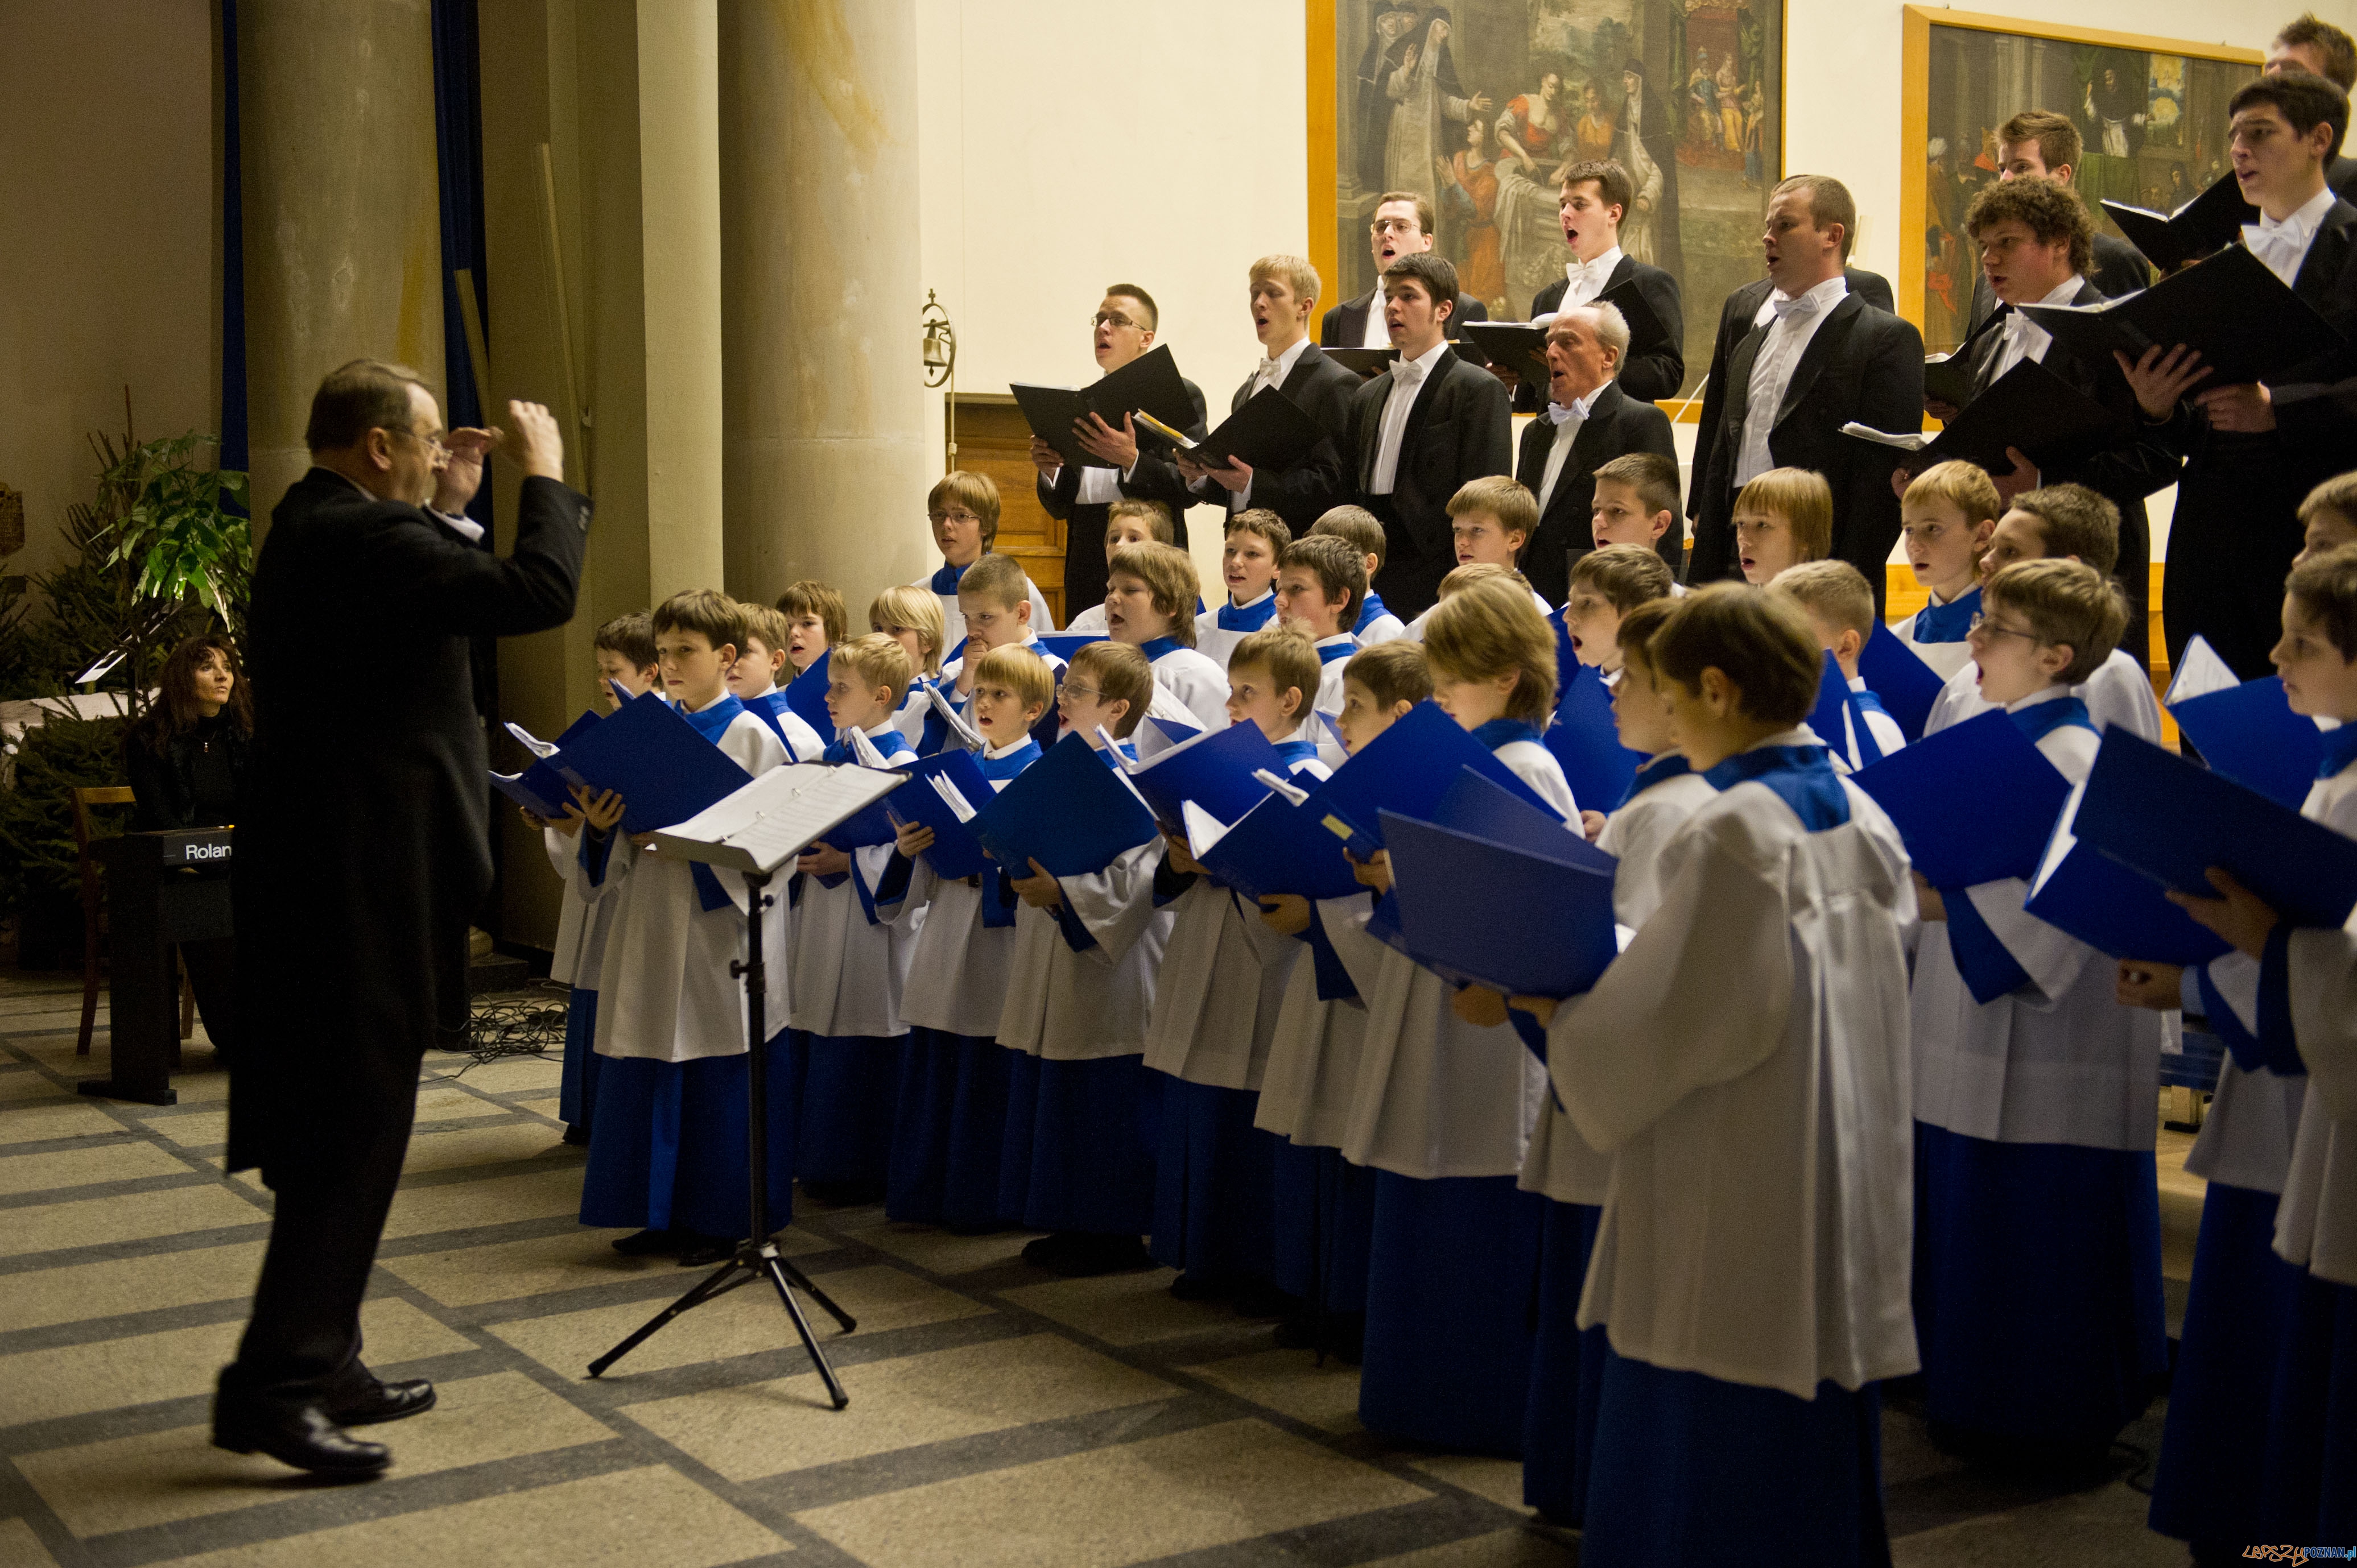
x,y
2150,113
1479,105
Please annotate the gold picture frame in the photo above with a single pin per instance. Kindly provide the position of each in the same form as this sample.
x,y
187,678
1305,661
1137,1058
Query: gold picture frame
x,y
2149,144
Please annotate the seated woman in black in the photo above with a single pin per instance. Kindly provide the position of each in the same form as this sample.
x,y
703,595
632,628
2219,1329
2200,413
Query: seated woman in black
x,y
185,759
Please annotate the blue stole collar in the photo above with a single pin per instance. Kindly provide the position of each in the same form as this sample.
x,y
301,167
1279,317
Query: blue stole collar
x,y
2339,750
2041,719
1159,647
1001,767
1329,651
1660,770
891,744
712,722
1248,617
1294,753
1868,701
1801,776
945,581
1128,754
1504,732
1368,613
1948,622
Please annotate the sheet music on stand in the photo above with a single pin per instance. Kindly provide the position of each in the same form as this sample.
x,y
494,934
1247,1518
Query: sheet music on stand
x,y
777,816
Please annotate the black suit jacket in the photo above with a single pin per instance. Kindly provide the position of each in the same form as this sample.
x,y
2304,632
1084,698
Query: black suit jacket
x,y
1616,425
1459,428
1345,326
1649,376
2120,268
1862,364
2340,174
353,896
1733,325
1155,478
1301,494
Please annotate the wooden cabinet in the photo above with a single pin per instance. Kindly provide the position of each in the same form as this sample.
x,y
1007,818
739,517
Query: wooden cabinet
x,y
986,436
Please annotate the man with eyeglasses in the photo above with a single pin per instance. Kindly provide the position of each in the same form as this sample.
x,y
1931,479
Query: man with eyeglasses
x,y
1122,330
1401,227
352,893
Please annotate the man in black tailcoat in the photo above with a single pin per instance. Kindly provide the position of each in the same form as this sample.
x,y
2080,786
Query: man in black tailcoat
x,y
364,849
1589,422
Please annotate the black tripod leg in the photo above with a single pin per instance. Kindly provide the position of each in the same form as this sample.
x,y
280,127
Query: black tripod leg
x,y
710,1287
777,1268
801,1281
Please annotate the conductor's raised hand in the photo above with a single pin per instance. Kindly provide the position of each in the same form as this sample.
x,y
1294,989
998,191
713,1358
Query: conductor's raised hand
x,y
533,441
461,474
2160,381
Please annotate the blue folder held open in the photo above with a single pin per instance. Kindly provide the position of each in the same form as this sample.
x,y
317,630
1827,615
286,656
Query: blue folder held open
x,y
539,789
956,852
2083,893
2170,820
1407,769
1478,804
1897,674
653,759
1586,741
806,694
1068,811
1840,723
1214,769
1276,847
2249,734
1975,802
1450,884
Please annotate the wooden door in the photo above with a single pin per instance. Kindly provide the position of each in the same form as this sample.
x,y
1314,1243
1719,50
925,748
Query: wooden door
x,y
987,435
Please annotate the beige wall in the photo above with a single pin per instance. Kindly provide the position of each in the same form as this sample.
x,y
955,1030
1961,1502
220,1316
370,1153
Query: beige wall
x,y
108,276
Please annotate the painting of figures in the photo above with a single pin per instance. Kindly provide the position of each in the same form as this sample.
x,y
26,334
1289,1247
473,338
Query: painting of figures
x,y
1479,105
2152,121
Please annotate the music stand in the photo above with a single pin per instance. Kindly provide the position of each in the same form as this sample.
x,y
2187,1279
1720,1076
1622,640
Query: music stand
x,y
757,1257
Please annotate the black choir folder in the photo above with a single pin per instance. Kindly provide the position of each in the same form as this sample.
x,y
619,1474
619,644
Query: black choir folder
x,y
2206,223
2028,407
2246,326
1520,346
1149,383
1269,432
1365,363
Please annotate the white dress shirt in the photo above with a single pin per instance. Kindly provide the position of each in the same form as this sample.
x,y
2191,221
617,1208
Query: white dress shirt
x,y
1568,424
2284,246
1375,335
1408,377
1584,282
1794,322
2024,338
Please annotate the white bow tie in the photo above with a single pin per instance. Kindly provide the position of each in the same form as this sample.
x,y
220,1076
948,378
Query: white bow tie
x,y
1270,372
1577,268
2271,240
1408,371
1557,414
1804,306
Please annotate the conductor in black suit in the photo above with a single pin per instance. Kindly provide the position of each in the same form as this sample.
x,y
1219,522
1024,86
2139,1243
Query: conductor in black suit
x,y
1122,330
363,846
2038,144
1593,200
1821,358
1401,227
1589,422
1284,296
1429,422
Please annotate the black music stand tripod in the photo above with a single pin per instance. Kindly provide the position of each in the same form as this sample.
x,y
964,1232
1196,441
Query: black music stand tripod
x,y
757,1256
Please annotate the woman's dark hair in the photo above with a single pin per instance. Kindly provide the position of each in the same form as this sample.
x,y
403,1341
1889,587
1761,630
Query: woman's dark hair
x,y
175,712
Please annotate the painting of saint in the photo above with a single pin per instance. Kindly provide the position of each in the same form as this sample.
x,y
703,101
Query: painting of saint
x,y
1592,137
2114,115
1647,148
1424,94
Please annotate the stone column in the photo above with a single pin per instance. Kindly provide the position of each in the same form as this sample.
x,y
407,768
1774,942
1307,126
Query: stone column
x,y
343,239
827,462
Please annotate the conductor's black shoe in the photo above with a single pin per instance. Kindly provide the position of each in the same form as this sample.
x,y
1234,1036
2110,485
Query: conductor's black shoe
x,y
305,1438
386,1401
702,1251
647,1243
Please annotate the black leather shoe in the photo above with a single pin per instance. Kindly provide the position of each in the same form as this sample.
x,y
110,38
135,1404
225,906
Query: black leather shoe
x,y
386,1401
305,1438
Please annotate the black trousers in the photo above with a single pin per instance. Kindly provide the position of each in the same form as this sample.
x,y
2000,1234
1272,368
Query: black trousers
x,y
302,1346
2231,546
211,967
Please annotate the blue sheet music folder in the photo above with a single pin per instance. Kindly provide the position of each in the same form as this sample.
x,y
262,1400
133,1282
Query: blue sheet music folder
x,y
2088,894
1214,771
2169,819
1068,811
653,759
1586,743
1897,674
1279,847
806,694
956,852
1407,769
1451,883
1975,803
2249,734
